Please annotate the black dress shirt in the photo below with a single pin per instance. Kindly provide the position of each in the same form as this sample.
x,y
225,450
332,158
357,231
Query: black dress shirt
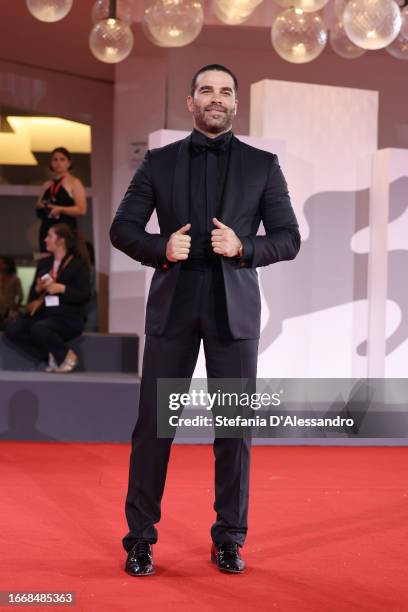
x,y
208,172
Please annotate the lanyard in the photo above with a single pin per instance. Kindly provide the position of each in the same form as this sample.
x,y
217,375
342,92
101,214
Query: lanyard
x,y
55,187
54,273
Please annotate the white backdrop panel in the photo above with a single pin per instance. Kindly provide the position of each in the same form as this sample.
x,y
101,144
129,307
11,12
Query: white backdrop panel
x,y
317,305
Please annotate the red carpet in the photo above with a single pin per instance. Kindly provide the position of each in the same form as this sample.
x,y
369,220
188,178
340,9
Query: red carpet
x,y
328,530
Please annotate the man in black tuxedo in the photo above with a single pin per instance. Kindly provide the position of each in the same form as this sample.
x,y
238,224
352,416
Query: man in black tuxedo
x,y
210,192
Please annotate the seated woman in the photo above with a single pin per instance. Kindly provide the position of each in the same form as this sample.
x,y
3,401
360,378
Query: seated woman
x,y
11,291
58,295
63,199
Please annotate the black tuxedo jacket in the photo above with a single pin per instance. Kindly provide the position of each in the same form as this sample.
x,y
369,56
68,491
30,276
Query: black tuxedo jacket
x,y
255,190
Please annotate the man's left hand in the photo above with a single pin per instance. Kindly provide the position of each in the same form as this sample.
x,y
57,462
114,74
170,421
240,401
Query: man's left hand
x,y
224,240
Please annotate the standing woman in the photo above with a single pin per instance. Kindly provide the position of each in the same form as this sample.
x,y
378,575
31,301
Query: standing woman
x,y
57,300
63,198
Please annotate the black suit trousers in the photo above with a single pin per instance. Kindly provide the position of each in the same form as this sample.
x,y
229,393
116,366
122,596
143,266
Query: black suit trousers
x,y
198,312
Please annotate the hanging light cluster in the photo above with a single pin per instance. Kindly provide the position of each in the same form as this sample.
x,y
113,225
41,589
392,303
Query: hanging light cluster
x,y
111,38
299,32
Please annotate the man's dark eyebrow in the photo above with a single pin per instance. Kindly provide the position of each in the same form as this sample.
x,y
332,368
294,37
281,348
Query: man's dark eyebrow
x,y
211,87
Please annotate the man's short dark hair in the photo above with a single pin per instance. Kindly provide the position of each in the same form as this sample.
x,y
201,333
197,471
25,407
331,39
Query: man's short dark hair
x,y
218,67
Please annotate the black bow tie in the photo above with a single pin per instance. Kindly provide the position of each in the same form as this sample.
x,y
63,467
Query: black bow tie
x,y
201,142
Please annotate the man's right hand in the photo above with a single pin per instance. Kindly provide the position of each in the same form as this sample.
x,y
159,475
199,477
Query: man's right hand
x,y
178,246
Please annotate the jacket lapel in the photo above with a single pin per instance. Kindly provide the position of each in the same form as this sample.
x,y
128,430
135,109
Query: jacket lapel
x,y
234,186
181,185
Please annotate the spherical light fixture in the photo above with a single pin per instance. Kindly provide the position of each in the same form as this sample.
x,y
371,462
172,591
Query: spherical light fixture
x,y
101,9
372,24
173,23
234,12
49,10
309,6
298,37
404,26
398,48
111,40
342,45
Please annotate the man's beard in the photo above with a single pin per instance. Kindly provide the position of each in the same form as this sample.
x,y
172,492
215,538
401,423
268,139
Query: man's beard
x,y
205,122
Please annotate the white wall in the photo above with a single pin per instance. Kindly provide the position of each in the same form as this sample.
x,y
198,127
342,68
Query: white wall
x,y
136,112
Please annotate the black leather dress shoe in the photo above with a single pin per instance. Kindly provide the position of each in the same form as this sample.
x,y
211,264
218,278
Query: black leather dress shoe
x,y
227,558
140,559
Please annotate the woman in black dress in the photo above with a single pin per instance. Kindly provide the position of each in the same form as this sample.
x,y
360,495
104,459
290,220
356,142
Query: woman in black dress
x,y
56,304
63,198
